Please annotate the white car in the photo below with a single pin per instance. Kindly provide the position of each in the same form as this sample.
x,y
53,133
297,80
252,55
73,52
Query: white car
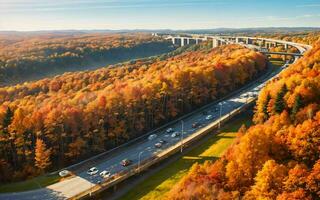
x,y
169,130
175,134
153,136
64,173
158,145
209,117
105,174
92,171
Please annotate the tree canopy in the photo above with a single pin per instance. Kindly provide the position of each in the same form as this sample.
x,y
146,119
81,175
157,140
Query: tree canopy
x,y
77,115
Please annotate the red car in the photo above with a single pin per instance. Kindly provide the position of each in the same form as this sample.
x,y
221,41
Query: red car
x,y
126,162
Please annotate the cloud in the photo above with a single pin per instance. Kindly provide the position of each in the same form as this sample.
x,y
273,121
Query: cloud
x,y
59,5
278,18
308,5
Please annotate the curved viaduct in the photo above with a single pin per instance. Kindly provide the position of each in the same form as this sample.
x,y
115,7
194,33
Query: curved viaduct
x,y
260,44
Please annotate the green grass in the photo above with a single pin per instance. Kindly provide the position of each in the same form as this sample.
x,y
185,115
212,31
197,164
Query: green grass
x,y
31,184
162,181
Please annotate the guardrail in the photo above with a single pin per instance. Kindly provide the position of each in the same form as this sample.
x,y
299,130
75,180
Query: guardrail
x,y
144,165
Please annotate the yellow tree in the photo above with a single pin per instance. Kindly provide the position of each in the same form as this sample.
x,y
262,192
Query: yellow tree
x,y
42,155
268,182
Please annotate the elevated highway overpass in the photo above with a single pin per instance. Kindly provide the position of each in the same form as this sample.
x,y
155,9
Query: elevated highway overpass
x,y
242,40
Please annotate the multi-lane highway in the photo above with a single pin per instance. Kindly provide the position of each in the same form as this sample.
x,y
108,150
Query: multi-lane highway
x,y
145,149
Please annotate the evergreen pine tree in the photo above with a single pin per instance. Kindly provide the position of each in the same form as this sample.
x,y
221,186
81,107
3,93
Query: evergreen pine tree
x,y
7,118
265,106
279,105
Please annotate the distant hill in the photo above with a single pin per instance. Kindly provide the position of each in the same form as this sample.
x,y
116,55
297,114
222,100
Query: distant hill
x,y
32,55
213,30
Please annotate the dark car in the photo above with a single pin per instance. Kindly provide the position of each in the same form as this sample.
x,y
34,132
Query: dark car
x,y
196,125
126,162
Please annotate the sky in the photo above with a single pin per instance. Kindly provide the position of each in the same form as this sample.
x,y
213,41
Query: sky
x,y
31,15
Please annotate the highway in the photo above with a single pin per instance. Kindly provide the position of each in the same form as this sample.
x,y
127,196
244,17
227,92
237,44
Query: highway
x,y
145,149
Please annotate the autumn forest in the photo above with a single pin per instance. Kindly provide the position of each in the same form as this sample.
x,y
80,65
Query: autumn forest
x,y
54,122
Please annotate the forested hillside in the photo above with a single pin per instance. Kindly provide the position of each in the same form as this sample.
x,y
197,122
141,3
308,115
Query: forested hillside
x,y
76,115
279,157
23,57
299,37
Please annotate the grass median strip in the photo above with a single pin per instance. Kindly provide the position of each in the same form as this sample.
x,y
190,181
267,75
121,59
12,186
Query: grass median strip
x,y
162,181
30,184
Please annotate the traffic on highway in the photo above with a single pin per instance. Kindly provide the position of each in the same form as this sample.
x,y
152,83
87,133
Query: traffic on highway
x,y
132,156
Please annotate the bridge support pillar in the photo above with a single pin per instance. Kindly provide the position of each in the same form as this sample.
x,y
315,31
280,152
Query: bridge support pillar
x,y
215,43
237,40
173,41
286,46
267,45
182,42
262,43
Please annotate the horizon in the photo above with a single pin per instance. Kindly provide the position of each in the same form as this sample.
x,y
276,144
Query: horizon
x,y
167,29
49,15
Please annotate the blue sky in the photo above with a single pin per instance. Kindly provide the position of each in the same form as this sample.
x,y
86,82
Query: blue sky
x,y
156,14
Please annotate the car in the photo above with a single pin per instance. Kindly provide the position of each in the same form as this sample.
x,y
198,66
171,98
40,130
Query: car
x,y
169,130
153,136
64,173
158,144
175,134
126,162
105,174
216,109
196,124
92,171
209,117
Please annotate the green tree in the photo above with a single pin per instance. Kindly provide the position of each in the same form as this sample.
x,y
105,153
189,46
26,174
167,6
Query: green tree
x,y
280,104
265,106
7,118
